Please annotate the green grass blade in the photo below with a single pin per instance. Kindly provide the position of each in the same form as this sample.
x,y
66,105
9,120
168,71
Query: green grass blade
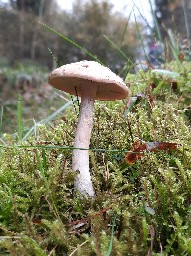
x,y
39,163
175,54
50,118
44,159
117,48
111,240
19,118
4,146
122,53
155,22
140,37
186,23
1,119
54,58
72,42
125,29
141,15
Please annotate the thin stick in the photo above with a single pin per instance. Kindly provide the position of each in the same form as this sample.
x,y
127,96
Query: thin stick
x,y
77,248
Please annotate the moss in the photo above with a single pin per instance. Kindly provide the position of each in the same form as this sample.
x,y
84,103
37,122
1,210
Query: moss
x,y
41,213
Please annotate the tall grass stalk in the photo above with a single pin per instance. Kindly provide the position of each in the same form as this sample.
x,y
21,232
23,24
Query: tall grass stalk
x,y
1,119
68,148
121,52
54,58
72,42
19,117
174,47
125,29
118,49
111,240
156,22
141,15
187,24
140,37
50,118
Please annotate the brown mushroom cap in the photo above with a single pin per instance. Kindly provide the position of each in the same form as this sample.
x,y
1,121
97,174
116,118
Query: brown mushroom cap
x,y
72,78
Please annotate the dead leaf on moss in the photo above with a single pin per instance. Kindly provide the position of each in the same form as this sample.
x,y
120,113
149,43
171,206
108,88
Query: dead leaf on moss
x,y
138,150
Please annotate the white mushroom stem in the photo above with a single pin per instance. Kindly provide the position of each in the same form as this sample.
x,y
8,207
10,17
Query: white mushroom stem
x,y
80,159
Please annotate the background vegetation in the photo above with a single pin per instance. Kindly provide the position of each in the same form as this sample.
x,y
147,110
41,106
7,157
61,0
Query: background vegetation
x,y
85,24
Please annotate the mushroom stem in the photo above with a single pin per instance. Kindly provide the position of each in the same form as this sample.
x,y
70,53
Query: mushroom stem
x,y
80,159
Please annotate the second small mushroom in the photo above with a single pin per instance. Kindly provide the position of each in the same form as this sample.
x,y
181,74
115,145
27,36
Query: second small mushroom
x,y
91,81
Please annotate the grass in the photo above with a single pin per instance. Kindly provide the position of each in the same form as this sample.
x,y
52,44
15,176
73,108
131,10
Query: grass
x,y
40,102
19,118
65,38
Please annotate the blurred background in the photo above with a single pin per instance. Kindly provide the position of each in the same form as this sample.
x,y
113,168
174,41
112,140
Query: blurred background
x,y
125,35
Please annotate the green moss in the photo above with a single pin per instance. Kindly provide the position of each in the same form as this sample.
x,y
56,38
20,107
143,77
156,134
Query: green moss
x,y
41,213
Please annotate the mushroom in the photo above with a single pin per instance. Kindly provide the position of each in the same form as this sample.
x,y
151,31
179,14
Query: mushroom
x,y
89,80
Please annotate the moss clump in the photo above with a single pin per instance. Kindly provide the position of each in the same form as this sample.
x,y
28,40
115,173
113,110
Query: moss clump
x,y
138,209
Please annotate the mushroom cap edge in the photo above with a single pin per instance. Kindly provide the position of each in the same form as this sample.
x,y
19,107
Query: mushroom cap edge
x,y
75,77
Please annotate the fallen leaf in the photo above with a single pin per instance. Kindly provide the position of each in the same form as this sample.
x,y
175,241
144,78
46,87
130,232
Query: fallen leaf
x,y
138,150
181,56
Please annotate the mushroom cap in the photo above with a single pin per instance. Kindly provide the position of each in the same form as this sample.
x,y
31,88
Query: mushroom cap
x,y
74,77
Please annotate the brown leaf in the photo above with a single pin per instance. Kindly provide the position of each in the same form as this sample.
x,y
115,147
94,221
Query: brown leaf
x,y
181,56
138,150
